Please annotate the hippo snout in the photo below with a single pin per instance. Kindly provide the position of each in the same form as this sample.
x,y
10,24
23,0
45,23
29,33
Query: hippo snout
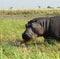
x,y
28,34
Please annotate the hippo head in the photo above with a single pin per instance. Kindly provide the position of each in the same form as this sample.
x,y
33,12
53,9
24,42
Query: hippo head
x,y
33,30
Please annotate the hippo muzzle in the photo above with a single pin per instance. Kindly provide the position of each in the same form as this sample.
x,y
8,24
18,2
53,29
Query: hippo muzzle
x,y
28,34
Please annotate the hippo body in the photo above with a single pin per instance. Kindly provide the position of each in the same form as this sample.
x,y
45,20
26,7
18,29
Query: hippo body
x,y
43,26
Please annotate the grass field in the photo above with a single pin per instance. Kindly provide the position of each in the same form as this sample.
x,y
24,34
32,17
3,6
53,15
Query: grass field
x,y
11,29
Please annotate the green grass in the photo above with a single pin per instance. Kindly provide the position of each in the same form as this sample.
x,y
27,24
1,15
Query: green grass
x,y
32,52
11,30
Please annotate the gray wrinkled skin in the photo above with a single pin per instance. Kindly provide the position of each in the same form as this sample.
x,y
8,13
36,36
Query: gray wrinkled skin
x,y
43,26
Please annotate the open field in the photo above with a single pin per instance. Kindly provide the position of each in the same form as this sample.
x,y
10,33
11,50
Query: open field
x,y
11,29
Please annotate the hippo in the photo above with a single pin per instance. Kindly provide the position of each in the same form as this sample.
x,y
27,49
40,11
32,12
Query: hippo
x,y
42,26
